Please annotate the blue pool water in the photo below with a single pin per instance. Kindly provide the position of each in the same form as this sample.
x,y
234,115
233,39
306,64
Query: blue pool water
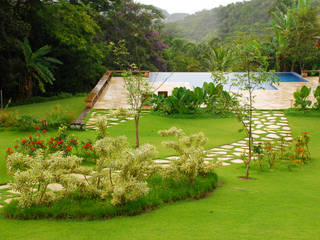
x,y
290,77
196,79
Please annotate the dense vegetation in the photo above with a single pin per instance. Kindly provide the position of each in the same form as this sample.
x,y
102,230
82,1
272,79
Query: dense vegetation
x,y
85,37
49,47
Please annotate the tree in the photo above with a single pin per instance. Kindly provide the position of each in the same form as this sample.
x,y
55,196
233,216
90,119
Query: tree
x,y
249,59
138,89
37,67
294,29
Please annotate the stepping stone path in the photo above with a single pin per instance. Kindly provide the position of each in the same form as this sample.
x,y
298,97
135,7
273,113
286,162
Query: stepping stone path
x,y
267,126
91,123
263,129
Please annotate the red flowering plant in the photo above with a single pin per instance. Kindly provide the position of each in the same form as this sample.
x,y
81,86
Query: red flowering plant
x,y
300,147
87,152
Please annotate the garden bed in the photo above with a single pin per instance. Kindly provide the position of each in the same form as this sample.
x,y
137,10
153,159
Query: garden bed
x,y
162,191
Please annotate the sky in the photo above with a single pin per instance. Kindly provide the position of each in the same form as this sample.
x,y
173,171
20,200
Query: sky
x,y
187,6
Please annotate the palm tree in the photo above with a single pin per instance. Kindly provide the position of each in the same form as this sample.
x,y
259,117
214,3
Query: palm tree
x,y
218,58
37,68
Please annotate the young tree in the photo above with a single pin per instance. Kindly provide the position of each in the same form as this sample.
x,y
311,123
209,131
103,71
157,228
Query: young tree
x,y
37,67
254,66
138,89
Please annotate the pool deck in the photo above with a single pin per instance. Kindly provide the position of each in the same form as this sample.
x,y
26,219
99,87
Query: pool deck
x,y
283,97
114,96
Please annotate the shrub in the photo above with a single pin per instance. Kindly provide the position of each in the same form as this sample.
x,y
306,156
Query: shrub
x,y
301,96
317,97
8,119
185,101
33,174
26,122
190,162
275,154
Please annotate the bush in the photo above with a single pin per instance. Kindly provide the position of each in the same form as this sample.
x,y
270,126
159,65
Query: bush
x,y
271,155
8,119
88,207
301,96
190,162
26,122
184,101
317,97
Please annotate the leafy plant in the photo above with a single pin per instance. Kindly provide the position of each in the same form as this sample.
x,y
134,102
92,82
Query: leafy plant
x,y
190,162
37,67
301,101
317,97
26,122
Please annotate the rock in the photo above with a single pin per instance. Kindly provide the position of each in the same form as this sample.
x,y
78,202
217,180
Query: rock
x,y
266,139
225,164
274,136
259,132
5,186
13,192
8,200
237,161
286,128
55,187
221,153
273,127
223,159
237,154
211,155
161,161
173,158
227,147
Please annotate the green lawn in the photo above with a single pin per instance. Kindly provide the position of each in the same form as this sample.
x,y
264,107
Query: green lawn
x,y
280,204
41,110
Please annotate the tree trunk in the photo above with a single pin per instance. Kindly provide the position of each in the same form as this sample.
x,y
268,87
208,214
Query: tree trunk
x,y
136,119
250,129
26,87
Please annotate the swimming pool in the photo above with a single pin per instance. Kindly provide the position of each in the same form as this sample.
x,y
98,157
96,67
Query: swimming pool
x,y
290,77
196,79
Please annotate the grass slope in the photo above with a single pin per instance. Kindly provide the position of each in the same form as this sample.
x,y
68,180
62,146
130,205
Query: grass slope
x,y
41,110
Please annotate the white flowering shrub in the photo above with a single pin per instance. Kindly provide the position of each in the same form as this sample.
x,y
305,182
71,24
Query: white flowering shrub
x,y
191,152
102,125
122,112
121,172
32,175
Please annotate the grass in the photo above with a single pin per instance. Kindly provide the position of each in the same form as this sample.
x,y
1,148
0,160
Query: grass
x,y
279,204
162,191
41,110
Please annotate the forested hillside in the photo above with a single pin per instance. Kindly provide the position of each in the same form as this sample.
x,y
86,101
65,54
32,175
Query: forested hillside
x,y
250,17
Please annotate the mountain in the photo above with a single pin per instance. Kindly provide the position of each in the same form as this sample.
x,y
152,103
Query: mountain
x,y
176,17
226,21
250,16
172,17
